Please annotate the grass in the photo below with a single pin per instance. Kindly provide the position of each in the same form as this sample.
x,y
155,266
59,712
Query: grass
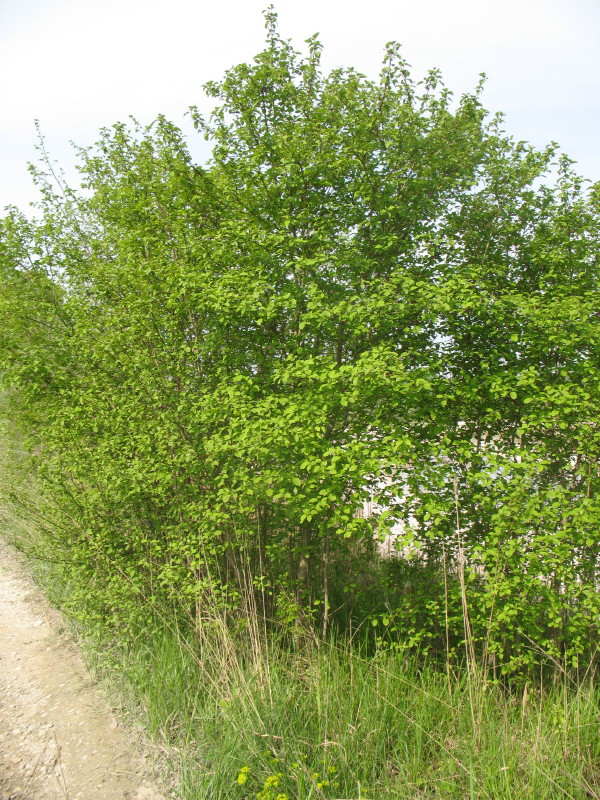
x,y
327,723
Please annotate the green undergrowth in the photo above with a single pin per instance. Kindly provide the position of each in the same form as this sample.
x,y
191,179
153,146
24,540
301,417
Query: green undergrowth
x,y
244,716
321,721
241,718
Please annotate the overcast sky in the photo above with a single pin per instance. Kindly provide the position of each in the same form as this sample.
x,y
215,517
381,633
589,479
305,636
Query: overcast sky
x,y
79,65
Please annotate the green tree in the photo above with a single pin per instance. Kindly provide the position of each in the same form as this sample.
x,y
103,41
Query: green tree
x,y
370,291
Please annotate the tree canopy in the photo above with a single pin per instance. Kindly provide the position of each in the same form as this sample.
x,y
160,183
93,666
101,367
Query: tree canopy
x,y
369,293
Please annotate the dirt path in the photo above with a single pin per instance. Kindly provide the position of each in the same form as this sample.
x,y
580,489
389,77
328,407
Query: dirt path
x,y
58,740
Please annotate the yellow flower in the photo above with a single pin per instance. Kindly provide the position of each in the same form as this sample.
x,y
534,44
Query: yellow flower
x,y
243,776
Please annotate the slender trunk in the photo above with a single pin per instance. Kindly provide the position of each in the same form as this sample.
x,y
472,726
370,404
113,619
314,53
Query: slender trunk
x,y
325,563
303,566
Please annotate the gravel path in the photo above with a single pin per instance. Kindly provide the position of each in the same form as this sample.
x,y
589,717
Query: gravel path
x,y
58,740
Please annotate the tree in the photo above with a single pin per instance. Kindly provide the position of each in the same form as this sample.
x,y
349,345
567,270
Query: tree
x,y
369,288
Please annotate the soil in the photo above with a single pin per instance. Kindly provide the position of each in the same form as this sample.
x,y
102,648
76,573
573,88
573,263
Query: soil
x,y
59,739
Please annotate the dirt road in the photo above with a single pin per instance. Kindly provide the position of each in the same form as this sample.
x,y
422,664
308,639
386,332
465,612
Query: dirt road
x,y
58,739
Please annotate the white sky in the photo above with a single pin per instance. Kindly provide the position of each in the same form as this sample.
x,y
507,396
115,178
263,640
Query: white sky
x,y
78,65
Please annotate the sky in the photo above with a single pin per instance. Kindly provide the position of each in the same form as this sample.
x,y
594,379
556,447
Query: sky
x,y
80,65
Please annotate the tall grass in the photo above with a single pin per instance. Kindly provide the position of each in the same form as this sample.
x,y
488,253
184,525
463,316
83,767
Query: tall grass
x,y
322,721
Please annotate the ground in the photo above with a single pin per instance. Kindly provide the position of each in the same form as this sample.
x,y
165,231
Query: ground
x,y
59,739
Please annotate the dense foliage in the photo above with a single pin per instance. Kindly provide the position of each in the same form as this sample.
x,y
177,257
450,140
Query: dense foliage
x,y
370,293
